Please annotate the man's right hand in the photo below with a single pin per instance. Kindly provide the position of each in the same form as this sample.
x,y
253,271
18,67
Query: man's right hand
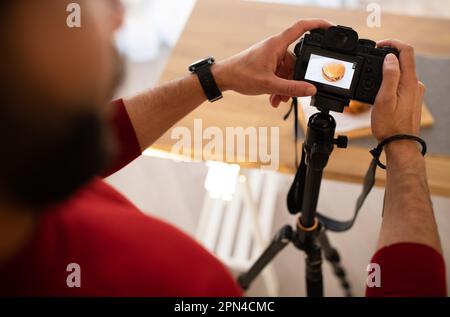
x,y
408,226
408,213
398,106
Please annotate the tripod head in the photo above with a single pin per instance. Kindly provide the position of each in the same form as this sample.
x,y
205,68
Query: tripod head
x,y
326,102
319,140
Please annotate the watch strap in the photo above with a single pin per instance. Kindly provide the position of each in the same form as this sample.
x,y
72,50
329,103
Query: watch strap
x,y
208,83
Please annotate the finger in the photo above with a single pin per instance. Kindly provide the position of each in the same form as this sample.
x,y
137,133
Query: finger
x,y
285,98
418,114
281,97
422,89
275,100
391,78
407,60
291,88
294,32
289,60
284,71
286,67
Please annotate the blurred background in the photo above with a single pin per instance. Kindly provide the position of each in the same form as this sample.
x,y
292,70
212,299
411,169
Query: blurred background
x,y
175,191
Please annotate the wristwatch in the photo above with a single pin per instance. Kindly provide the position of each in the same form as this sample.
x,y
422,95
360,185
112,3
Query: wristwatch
x,y
203,70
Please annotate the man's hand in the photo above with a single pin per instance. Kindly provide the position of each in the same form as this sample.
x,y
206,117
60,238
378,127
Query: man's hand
x,y
408,213
398,106
267,67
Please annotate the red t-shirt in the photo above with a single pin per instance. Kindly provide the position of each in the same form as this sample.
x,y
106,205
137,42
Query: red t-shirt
x,y
122,252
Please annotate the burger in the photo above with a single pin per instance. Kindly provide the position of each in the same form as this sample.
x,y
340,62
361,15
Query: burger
x,y
333,71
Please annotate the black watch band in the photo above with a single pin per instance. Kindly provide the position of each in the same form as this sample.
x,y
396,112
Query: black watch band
x,y
203,70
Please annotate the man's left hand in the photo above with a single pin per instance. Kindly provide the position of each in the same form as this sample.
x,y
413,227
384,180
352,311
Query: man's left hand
x,y
267,67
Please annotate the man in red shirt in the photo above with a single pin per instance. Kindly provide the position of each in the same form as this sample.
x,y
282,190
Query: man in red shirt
x,y
58,131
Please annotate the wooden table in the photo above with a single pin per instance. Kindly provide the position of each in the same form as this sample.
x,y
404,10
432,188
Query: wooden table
x,y
225,27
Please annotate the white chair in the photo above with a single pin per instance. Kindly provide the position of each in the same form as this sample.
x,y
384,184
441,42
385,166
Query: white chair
x,y
238,230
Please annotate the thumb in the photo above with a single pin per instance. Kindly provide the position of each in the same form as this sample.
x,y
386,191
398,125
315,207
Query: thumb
x,y
291,88
391,78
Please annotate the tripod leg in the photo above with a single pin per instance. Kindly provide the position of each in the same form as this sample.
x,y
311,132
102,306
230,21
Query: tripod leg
x,y
282,239
332,256
306,240
314,279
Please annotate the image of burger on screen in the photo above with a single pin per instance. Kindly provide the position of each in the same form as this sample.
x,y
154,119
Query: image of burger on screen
x,y
330,71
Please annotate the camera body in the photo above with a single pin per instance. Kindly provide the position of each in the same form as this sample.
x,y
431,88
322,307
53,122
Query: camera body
x,y
341,66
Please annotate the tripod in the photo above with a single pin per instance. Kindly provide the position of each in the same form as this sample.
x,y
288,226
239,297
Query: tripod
x,y
309,234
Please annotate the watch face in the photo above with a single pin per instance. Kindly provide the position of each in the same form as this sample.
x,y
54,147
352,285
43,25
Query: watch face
x,y
209,60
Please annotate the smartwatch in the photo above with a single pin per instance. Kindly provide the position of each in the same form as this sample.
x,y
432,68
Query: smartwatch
x,y
203,70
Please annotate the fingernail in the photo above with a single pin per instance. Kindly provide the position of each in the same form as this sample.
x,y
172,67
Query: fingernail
x,y
390,58
310,91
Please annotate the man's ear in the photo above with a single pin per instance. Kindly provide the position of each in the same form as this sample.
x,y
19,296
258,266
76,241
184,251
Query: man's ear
x,y
118,13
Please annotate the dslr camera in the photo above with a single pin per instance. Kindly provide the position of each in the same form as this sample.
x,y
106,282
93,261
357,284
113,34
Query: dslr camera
x,y
341,66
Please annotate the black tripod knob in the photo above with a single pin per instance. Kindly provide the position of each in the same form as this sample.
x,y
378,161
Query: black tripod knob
x,y
341,141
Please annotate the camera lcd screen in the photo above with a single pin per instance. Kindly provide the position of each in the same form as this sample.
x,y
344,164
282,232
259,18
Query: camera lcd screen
x,y
330,71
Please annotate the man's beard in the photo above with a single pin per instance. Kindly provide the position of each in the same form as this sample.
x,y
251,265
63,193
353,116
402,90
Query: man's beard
x,y
47,157
46,167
